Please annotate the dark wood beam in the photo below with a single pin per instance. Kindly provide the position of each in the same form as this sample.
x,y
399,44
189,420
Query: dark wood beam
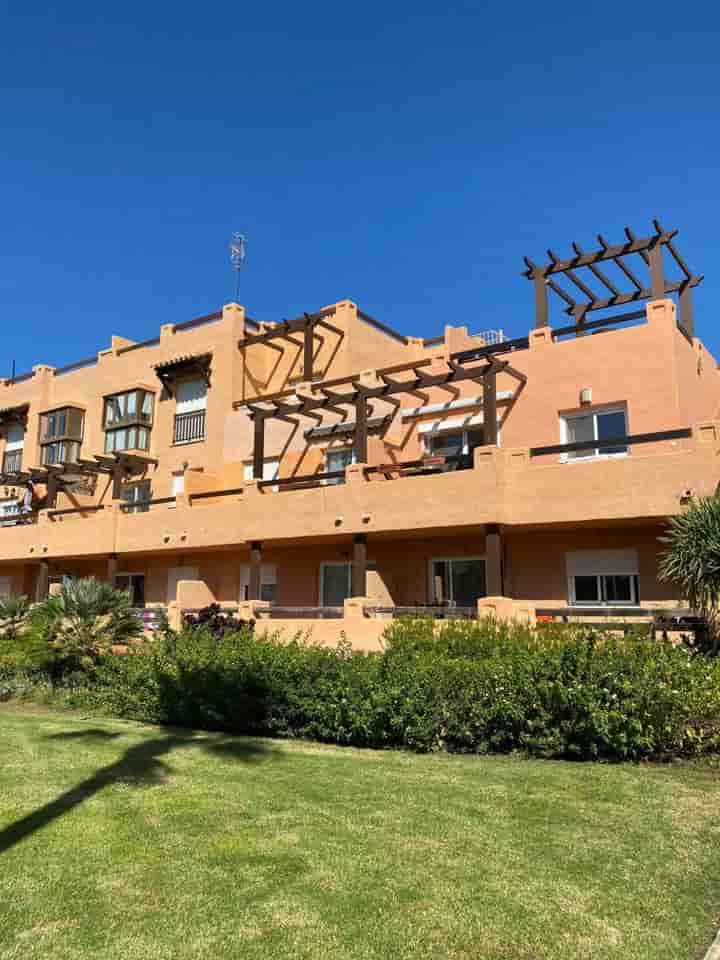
x,y
361,430
254,586
490,408
258,447
359,566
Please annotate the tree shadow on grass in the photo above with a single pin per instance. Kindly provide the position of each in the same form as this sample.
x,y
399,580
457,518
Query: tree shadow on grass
x,y
139,765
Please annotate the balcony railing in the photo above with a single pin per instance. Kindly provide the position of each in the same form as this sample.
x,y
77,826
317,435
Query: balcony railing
x,y
12,461
189,427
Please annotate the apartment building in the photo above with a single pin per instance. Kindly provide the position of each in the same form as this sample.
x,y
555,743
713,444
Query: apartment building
x,y
329,466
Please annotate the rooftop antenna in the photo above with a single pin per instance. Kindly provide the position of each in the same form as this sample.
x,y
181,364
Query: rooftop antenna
x,y
238,250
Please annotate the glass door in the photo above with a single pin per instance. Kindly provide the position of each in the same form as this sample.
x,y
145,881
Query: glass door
x,y
335,583
458,582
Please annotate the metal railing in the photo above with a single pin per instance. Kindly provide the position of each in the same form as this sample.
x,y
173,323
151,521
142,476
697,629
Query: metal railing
x,y
301,613
132,505
624,441
429,610
12,461
304,481
189,427
66,511
18,519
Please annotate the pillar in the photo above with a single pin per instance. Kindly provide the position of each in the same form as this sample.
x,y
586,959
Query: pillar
x,y
359,567
490,408
43,581
112,569
258,448
657,276
361,433
541,298
255,570
493,561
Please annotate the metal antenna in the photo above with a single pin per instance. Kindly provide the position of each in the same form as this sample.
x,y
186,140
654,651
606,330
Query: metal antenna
x,y
238,250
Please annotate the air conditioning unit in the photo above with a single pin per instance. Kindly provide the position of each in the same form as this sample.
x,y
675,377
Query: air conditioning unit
x,y
586,395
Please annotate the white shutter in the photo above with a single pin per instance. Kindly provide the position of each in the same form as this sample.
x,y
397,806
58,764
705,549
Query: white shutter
x,y
595,562
178,483
15,437
190,396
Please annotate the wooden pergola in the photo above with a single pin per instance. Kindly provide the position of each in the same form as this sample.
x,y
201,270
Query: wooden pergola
x,y
119,466
583,270
288,331
348,395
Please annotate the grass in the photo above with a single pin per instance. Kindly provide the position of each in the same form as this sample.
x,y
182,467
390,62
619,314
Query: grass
x,y
125,841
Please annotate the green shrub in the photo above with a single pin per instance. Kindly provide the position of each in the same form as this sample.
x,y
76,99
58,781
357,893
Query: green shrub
x,y
474,687
82,621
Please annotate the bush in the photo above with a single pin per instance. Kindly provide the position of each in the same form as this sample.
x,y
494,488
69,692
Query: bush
x,y
472,687
217,621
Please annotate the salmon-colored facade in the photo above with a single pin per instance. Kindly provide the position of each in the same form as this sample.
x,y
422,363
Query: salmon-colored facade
x,y
160,488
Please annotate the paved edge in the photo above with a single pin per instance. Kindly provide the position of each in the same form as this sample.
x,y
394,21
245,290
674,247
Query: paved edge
x,y
714,950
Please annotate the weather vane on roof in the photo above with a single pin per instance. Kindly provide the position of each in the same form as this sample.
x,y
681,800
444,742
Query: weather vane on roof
x,y
238,251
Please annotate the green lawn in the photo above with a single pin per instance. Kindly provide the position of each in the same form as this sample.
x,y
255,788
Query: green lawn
x,y
124,841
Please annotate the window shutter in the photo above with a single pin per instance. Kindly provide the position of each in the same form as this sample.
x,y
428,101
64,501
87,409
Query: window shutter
x,y
594,562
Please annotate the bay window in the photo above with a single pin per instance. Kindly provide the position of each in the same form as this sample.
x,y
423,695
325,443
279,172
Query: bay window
x,y
61,433
127,419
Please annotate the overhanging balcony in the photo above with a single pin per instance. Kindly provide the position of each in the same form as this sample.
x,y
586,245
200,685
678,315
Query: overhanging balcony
x,y
513,487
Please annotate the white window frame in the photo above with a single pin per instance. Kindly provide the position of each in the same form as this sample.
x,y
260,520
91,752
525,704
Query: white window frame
x,y
433,560
634,590
597,453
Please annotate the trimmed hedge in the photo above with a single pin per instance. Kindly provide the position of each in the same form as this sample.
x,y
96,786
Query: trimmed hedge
x,y
472,687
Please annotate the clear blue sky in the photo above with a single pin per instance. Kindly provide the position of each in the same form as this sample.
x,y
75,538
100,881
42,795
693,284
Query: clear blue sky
x,y
405,155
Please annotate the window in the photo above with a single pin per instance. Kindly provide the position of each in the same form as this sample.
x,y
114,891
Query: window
x,y
14,442
61,433
65,423
64,451
127,418
134,406
191,400
268,582
608,577
457,443
594,425
134,584
127,438
338,460
137,494
457,582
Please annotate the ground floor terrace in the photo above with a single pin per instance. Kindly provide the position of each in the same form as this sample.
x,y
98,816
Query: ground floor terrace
x,y
356,583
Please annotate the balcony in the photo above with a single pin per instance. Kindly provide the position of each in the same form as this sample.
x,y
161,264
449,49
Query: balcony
x,y
12,462
189,427
514,487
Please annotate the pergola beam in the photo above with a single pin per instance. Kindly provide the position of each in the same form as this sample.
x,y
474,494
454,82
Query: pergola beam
x,y
649,249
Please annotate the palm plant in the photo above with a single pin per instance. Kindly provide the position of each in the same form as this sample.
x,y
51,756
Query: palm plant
x,y
84,620
692,559
13,616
